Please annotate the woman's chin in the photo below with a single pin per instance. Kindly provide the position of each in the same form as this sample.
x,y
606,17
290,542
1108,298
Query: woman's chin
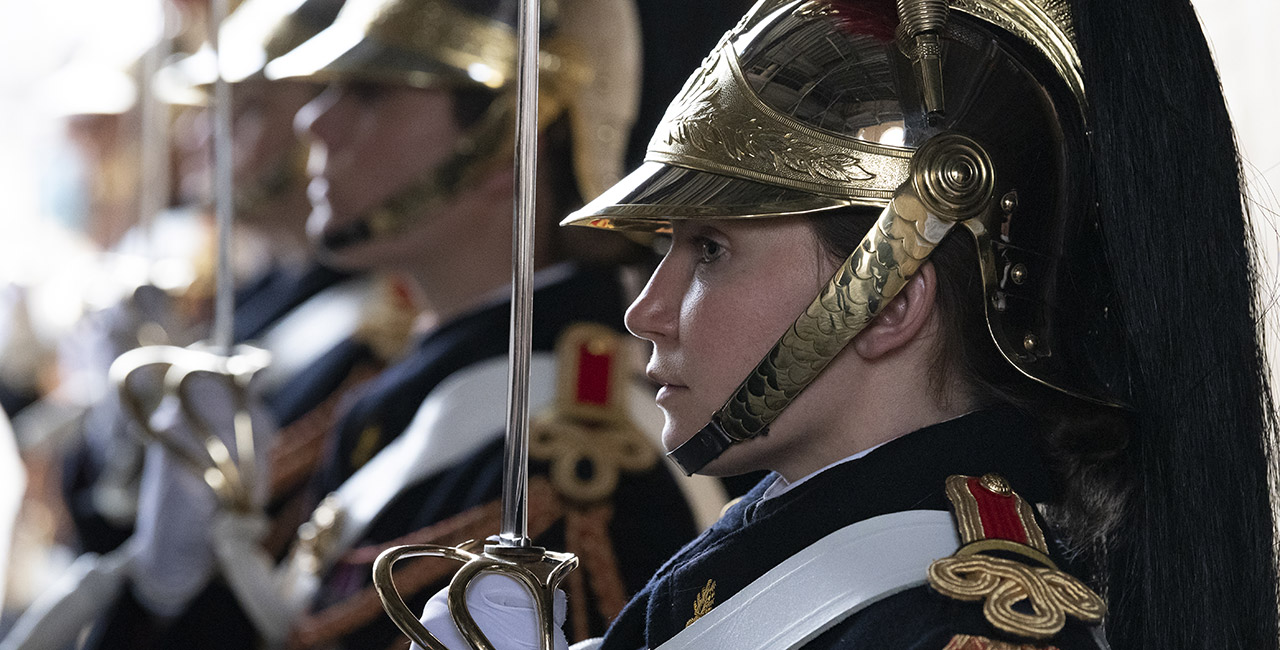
x,y
673,437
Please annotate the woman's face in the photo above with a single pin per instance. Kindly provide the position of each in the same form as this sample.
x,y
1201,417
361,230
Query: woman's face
x,y
720,299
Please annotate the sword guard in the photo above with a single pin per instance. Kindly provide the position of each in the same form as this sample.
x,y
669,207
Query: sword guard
x,y
223,471
539,570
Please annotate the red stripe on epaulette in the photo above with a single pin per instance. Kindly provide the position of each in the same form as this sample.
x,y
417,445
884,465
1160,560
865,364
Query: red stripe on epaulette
x,y
593,383
986,508
998,512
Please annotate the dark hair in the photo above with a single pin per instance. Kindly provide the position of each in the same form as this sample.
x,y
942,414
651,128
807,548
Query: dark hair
x,y
1194,564
1172,501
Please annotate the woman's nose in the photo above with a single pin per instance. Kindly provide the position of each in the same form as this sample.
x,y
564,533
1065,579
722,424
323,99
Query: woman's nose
x,y
654,314
320,118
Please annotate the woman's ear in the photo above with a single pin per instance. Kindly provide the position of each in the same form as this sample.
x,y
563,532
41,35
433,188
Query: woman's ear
x,y
903,320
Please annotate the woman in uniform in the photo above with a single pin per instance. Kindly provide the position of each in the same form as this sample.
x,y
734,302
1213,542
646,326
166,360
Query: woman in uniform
x,y
1028,406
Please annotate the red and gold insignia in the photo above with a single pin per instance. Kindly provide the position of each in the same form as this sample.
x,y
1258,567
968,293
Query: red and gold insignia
x,y
967,642
991,517
588,436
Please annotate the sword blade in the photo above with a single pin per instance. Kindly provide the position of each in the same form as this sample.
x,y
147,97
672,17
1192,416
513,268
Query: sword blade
x,y
223,199
153,159
515,481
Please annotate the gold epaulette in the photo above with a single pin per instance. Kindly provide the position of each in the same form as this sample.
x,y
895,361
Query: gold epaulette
x,y
587,436
1004,561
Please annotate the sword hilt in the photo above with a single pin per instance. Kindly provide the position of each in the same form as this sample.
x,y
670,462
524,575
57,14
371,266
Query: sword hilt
x,y
228,474
540,571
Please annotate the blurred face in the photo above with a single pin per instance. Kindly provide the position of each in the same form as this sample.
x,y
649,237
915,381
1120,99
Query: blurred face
x,y
720,299
370,143
267,158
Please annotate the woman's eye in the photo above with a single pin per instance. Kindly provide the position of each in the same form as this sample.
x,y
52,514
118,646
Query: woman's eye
x,y
709,250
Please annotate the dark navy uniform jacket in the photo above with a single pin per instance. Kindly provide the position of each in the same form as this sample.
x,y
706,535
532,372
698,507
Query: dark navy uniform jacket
x,y
908,473
652,522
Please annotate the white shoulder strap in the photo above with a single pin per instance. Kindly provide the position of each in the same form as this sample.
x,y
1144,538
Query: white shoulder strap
x,y
826,583
295,342
460,416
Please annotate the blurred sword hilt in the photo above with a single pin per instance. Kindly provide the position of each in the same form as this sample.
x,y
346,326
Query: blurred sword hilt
x,y
228,472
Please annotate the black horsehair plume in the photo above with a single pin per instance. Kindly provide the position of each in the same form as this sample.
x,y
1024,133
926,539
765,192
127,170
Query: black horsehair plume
x,y
1193,565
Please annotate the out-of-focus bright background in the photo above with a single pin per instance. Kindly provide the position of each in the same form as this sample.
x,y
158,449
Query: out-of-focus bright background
x,y
64,58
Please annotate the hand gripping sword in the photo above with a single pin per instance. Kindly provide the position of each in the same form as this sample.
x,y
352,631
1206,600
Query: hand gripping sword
x,y
511,553
227,473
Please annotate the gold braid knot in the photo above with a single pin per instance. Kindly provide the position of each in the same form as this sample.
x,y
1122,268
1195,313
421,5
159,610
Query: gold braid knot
x,y
1001,584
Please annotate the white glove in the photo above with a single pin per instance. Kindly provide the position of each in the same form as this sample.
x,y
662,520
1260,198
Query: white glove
x,y
172,559
503,609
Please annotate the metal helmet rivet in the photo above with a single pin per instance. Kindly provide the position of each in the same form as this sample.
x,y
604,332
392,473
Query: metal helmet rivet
x,y
1018,274
1009,202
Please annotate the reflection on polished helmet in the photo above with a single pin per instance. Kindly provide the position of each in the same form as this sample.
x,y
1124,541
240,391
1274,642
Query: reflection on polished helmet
x,y
939,113
590,72
254,34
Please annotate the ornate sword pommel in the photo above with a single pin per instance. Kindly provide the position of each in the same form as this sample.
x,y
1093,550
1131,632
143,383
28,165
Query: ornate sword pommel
x,y
228,473
538,570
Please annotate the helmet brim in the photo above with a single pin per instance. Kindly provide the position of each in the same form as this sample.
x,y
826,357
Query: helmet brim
x,y
656,194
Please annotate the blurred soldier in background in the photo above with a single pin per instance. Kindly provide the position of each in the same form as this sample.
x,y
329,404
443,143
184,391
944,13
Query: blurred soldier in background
x,y
412,167
292,305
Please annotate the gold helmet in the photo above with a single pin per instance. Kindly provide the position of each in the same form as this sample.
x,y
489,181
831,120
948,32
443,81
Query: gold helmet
x,y
255,33
589,75
940,114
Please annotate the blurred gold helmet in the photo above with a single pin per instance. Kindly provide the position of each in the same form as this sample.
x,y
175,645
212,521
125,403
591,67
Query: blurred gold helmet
x,y
255,33
590,74
937,114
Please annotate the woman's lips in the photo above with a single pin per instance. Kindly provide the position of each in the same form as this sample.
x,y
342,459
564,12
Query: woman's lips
x,y
668,391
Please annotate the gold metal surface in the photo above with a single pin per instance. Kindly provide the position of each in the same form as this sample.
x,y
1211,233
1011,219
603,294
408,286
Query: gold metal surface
x,y
1045,24
922,212
996,484
538,570
718,125
1049,595
445,33
316,536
